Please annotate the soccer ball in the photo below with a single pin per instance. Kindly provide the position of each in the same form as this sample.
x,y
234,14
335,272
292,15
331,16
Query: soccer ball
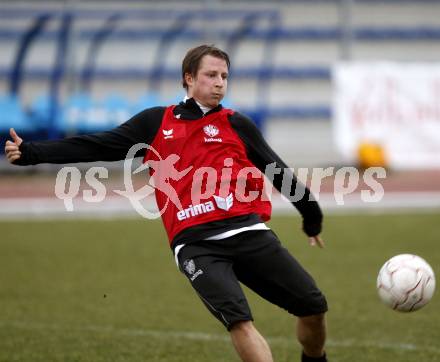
x,y
406,283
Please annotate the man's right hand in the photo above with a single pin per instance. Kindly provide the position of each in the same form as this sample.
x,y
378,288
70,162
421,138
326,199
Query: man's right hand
x,y
12,150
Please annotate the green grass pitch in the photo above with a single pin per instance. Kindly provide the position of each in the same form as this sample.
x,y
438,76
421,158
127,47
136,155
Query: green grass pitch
x,y
110,291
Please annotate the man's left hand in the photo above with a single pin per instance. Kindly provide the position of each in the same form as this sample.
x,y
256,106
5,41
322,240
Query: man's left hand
x,y
316,240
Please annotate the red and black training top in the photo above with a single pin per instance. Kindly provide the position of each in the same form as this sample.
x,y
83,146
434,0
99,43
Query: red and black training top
x,y
202,173
146,126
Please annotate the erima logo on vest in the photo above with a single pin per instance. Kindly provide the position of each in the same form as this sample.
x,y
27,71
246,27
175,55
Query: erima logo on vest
x,y
223,203
167,133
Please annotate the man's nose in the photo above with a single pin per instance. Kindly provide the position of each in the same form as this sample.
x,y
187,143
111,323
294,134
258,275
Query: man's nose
x,y
219,81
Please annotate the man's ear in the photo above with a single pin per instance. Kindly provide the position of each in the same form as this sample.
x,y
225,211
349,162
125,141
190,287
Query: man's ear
x,y
189,79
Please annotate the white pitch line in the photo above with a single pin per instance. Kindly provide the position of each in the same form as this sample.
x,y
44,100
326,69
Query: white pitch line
x,y
202,336
116,206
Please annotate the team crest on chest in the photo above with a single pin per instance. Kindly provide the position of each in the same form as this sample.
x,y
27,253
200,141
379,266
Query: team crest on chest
x,y
211,131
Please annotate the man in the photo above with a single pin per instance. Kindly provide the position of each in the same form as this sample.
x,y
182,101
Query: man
x,y
219,237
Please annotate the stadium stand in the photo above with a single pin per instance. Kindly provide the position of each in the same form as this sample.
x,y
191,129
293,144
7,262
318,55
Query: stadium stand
x,y
87,67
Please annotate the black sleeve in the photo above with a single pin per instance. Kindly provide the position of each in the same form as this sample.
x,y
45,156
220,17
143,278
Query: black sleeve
x,y
111,145
261,155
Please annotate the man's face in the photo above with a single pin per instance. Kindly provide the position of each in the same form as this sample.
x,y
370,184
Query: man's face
x,y
209,85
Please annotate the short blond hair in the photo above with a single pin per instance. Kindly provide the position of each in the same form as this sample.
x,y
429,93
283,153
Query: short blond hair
x,y
191,62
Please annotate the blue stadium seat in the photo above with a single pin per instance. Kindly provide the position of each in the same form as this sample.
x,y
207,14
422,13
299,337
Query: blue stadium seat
x,y
12,114
82,114
146,100
75,112
118,109
39,112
